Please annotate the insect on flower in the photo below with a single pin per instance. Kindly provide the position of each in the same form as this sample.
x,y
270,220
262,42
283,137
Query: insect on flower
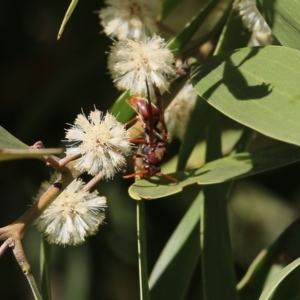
x,y
154,142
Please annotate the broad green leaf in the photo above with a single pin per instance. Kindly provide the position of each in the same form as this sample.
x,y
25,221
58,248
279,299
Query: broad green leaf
x,y
180,253
66,18
258,87
224,169
179,41
10,154
283,17
196,158
7,140
268,291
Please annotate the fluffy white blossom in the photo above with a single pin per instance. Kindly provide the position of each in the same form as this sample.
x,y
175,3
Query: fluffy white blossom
x,y
101,141
132,63
254,21
178,112
72,216
132,19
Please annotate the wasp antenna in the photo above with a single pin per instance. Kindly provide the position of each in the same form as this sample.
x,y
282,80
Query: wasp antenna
x,y
160,106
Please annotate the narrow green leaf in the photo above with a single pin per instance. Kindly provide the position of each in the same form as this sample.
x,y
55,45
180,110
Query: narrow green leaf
x,y
34,288
66,18
217,262
289,287
268,291
224,169
257,87
7,140
78,273
180,253
45,270
179,41
201,116
234,34
142,250
218,273
280,253
252,283
121,109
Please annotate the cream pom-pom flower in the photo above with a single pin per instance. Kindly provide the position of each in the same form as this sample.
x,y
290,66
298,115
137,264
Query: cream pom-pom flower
x,y
133,63
178,113
102,142
132,19
254,21
72,216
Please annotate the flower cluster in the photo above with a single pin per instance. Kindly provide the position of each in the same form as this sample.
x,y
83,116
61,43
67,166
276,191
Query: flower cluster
x,y
132,19
98,144
133,63
73,216
102,142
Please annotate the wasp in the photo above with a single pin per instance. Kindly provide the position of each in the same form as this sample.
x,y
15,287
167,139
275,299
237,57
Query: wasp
x,y
154,140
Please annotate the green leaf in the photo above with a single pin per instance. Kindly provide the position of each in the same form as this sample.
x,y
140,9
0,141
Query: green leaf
x,y
78,270
224,169
10,154
66,18
201,116
180,253
179,41
285,248
217,270
12,148
258,87
142,250
121,109
45,253
288,287
7,140
217,262
268,291
234,34
283,17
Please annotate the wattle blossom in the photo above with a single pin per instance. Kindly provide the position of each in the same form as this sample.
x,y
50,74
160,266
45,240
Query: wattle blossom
x,y
254,21
72,216
179,111
132,63
132,19
102,142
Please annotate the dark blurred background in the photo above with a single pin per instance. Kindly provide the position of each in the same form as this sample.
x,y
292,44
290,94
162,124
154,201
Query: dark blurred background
x,y
44,85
